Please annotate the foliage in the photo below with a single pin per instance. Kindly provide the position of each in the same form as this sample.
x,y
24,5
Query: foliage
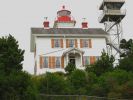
x,y
70,68
127,62
52,83
11,56
104,64
78,81
14,83
127,47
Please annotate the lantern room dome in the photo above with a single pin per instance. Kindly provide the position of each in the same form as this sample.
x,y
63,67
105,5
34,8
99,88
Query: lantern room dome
x,y
64,12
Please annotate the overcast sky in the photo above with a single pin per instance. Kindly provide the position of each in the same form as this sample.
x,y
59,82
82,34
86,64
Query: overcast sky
x,y
18,16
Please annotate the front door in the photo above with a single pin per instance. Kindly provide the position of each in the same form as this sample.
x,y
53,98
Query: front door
x,y
72,59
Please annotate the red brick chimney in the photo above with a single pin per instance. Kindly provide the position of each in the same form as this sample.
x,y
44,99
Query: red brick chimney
x,y
84,25
46,23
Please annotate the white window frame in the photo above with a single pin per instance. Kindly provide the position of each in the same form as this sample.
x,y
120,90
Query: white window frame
x,y
57,64
46,62
71,43
57,43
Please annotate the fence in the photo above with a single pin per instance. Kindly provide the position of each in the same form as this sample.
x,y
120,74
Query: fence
x,y
59,97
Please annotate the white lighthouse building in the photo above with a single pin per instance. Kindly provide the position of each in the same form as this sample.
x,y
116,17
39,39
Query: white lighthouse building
x,y
55,47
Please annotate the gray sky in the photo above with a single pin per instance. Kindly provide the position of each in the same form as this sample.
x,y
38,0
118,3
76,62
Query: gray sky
x,y
18,16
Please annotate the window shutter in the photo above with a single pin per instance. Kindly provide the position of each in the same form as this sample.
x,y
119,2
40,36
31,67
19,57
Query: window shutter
x,y
92,59
67,43
61,41
62,62
76,43
52,62
90,43
41,62
52,43
81,43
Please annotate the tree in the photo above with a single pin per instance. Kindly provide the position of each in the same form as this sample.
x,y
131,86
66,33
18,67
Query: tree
x,y
14,83
52,83
127,47
70,68
78,81
127,62
11,56
104,64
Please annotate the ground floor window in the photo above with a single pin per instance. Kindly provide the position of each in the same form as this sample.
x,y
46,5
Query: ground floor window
x,y
50,62
58,62
87,60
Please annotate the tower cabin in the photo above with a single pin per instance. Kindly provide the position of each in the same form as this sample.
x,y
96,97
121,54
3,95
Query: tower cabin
x,y
112,11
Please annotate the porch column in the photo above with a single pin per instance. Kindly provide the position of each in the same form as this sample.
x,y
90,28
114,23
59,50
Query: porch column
x,y
81,59
67,59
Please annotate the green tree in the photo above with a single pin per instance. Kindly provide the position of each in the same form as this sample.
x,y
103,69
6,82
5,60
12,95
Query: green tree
x,y
70,68
11,56
127,62
52,83
78,81
104,64
14,83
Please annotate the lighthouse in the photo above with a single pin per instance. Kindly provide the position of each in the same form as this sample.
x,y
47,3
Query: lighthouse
x,y
55,47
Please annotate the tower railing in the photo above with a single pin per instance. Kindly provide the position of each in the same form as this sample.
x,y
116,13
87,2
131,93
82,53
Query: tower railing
x,y
114,0
112,12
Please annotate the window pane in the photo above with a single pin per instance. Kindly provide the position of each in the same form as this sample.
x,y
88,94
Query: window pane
x,y
85,43
45,62
58,61
56,43
86,60
71,43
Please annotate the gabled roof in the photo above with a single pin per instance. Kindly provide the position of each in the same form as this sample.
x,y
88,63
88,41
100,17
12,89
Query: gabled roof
x,y
71,50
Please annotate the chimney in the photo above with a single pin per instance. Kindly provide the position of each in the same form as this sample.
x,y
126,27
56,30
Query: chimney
x,y
46,23
84,25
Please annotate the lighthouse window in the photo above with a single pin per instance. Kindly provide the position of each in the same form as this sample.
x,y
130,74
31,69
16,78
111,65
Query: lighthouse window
x,y
57,43
71,43
58,62
45,62
85,43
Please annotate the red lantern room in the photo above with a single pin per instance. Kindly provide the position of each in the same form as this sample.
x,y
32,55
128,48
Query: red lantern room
x,y
64,19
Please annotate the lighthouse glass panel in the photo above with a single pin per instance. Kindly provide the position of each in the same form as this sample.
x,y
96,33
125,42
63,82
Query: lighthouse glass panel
x,y
58,61
45,62
57,43
71,43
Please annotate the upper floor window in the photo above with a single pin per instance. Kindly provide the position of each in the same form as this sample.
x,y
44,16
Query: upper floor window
x,y
57,43
70,43
84,43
